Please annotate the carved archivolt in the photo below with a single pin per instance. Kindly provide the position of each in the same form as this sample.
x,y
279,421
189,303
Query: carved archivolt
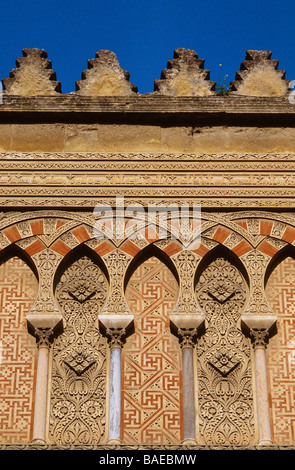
x,y
224,374
78,384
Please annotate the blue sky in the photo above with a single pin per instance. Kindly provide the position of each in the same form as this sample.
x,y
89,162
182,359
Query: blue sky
x,y
144,34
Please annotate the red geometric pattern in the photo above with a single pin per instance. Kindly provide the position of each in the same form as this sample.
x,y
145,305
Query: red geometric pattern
x,y
151,360
281,352
18,290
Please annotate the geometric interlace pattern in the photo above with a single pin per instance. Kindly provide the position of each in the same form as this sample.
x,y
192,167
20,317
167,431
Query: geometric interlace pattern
x,y
18,290
151,360
280,292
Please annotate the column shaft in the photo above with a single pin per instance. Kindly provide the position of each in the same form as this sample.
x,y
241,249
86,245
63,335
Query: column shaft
x,y
264,428
189,430
39,426
115,396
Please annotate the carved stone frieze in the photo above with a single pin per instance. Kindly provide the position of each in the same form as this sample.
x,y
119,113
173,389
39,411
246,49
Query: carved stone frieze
x,y
145,156
243,180
142,177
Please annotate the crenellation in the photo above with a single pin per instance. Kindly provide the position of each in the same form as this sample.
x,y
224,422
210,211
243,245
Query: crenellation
x,y
105,77
185,76
259,76
33,76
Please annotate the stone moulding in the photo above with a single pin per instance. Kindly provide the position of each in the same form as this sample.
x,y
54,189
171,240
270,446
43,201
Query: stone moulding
x,y
152,105
140,447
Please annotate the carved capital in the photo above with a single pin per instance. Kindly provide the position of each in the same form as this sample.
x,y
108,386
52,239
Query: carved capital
x,y
116,328
187,337
44,337
116,337
259,338
44,322
187,328
259,328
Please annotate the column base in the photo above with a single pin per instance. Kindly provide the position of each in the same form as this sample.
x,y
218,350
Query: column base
x,y
114,442
39,442
189,442
265,443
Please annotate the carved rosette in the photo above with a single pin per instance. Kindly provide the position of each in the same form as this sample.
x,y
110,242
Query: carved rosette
x,y
78,386
224,371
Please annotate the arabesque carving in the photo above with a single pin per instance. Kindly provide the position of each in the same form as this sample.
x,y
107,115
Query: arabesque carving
x,y
225,395
186,262
78,384
46,263
116,262
256,263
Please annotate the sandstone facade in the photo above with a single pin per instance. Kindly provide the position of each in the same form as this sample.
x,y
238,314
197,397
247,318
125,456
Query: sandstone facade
x,y
125,324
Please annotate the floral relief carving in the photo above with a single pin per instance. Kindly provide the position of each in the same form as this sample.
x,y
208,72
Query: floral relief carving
x,y
78,387
46,263
224,374
186,262
117,262
256,263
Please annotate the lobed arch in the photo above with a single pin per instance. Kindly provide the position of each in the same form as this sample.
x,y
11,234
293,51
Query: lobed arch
x,y
143,255
282,254
29,237
75,254
221,251
14,250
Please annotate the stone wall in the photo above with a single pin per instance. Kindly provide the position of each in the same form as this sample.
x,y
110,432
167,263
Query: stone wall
x,y
184,358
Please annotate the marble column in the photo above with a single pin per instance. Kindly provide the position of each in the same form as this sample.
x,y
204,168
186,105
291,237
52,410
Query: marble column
x,y
187,327
116,339
44,327
260,338
115,328
187,341
44,338
260,329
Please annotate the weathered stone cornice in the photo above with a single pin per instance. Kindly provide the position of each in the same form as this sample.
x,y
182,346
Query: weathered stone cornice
x,y
147,104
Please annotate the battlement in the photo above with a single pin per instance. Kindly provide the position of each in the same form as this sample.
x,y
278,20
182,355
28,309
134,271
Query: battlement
x,y
185,76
